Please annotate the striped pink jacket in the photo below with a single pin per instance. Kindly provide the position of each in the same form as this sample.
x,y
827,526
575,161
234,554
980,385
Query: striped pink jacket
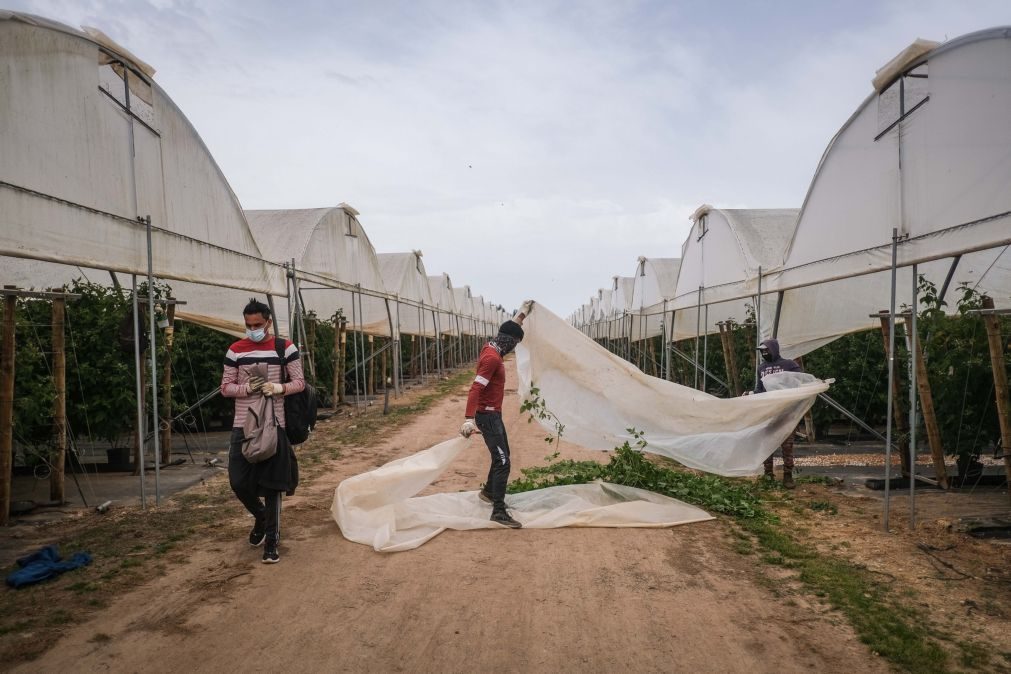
x,y
240,359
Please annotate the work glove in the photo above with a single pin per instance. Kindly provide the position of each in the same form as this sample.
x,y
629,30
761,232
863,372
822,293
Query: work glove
x,y
271,389
468,428
527,307
254,384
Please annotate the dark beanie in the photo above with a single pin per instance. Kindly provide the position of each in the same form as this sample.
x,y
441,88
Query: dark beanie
x,y
513,329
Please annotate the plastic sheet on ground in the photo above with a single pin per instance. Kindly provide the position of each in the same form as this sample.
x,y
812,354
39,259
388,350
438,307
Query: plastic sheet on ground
x,y
380,508
597,397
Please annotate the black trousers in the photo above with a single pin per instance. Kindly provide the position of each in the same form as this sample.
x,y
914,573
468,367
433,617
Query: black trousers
x,y
266,509
494,434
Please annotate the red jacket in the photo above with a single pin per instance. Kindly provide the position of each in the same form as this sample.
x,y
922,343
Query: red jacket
x,y
488,389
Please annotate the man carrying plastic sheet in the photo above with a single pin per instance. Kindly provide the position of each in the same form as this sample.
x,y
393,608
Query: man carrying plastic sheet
x,y
259,485
772,362
484,413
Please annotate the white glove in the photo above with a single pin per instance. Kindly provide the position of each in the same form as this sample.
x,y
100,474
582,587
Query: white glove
x,y
272,389
527,307
468,428
254,385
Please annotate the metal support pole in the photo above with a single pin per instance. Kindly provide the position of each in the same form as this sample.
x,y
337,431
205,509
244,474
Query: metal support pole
x,y
154,365
698,331
140,393
424,344
395,341
273,312
354,344
705,348
361,339
891,379
399,355
775,320
913,400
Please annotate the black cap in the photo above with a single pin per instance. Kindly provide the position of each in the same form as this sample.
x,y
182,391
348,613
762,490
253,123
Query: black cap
x,y
513,329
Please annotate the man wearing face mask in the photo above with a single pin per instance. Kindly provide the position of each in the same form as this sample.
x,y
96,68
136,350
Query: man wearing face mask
x,y
484,413
771,363
259,485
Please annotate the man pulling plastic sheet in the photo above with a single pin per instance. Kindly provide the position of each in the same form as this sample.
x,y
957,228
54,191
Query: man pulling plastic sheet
x,y
596,397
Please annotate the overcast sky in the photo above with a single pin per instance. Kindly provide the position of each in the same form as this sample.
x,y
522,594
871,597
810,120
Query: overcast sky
x,y
530,149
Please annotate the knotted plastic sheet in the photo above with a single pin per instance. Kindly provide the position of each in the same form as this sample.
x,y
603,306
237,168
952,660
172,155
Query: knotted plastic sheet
x,y
380,508
596,396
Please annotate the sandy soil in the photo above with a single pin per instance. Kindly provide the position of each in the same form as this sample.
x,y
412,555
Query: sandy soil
x,y
588,600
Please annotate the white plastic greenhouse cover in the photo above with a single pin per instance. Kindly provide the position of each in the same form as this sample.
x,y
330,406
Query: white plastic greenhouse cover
x,y
465,307
595,317
405,277
654,282
329,247
381,508
728,246
441,288
494,319
480,309
598,396
950,198
623,288
65,111
605,310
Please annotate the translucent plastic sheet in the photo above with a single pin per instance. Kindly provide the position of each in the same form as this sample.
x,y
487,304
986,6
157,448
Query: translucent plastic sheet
x,y
380,508
596,396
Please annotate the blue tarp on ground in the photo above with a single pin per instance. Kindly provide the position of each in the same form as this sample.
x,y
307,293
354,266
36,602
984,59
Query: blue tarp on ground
x,y
44,564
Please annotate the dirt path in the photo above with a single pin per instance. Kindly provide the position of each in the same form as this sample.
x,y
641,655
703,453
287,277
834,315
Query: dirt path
x,y
588,600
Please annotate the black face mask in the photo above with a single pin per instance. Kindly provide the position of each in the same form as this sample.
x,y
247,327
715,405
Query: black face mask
x,y
505,343
766,356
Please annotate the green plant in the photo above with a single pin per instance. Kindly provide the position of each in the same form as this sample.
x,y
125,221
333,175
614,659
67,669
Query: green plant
x,y
538,409
958,367
628,466
197,353
34,392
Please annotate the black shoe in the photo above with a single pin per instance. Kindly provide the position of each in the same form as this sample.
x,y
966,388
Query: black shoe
x,y
270,555
256,536
484,496
502,517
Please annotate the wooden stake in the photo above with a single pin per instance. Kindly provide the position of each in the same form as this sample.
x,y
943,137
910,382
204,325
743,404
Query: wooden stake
x,y
383,367
901,420
166,386
7,408
930,418
993,338
730,357
56,476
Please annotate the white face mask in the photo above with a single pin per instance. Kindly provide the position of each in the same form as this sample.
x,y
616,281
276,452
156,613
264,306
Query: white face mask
x,y
257,335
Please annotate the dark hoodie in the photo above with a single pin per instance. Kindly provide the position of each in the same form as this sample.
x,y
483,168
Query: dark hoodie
x,y
776,364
